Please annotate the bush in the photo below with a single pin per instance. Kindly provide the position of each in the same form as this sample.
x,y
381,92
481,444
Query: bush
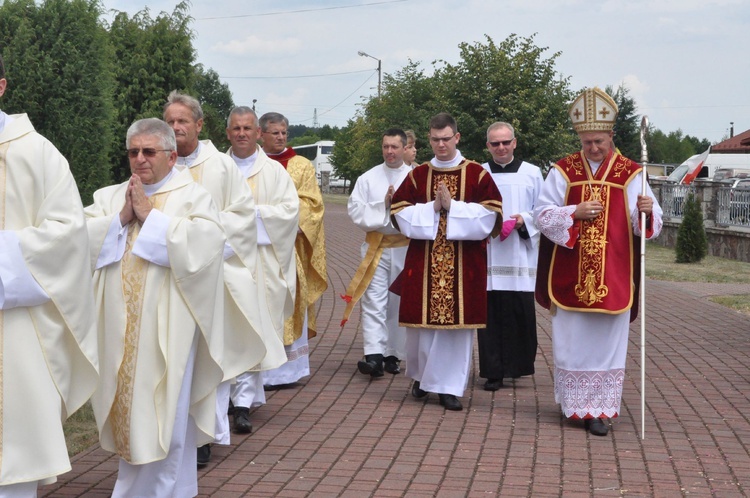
x,y
692,242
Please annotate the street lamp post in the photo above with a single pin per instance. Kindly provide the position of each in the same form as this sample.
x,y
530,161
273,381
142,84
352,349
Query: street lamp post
x,y
363,54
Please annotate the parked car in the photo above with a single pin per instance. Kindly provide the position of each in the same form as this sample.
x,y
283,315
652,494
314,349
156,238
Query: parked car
x,y
731,173
739,198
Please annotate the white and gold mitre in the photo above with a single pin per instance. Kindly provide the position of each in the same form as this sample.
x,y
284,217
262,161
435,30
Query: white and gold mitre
x,y
593,110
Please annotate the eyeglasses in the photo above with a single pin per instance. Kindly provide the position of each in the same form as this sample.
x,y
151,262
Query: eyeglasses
x,y
437,140
505,143
147,152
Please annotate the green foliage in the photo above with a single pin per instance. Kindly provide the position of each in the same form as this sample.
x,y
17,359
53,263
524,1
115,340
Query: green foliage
x,y
59,69
692,242
511,81
216,101
673,147
153,57
627,126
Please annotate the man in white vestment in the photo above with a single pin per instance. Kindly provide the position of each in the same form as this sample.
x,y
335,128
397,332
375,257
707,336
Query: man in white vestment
x,y
277,209
157,249
310,253
218,174
48,349
507,347
589,213
447,207
383,254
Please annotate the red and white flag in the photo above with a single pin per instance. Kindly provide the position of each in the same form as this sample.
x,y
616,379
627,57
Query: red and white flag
x,y
695,164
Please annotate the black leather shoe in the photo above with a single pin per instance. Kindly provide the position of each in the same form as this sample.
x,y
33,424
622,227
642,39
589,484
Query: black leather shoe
x,y
391,365
417,391
596,426
204,455
493,384
450,402
242,423
372,365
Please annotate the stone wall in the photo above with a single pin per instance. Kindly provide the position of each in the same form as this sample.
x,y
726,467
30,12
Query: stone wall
x,y
731,242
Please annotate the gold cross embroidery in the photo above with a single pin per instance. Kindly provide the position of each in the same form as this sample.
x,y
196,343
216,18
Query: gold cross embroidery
x,y
604,112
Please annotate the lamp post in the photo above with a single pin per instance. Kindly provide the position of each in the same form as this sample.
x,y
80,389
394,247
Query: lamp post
x,y
364,54
254,101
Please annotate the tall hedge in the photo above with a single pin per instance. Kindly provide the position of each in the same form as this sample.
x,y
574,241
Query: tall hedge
x,y
692,242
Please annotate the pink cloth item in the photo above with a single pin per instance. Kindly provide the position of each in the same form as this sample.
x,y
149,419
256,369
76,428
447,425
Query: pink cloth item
x,y
508,227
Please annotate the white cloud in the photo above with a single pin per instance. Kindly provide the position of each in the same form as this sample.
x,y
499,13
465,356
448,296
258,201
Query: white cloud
x,y
254,45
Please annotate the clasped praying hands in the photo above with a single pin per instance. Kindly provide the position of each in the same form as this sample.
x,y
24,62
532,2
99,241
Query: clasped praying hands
x,y
442,198
136,205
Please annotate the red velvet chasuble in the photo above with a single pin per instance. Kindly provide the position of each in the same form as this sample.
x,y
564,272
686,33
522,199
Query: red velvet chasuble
x,y
596,275
443,283
284,156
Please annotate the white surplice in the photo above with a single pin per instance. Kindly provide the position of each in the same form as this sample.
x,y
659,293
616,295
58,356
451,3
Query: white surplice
x,y
381,332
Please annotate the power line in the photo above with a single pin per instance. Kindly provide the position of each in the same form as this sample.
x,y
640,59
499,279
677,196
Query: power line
x,y
299,11
345,99
293,77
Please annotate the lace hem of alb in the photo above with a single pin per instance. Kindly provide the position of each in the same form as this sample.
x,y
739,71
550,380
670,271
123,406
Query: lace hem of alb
x,y
555,223
589,394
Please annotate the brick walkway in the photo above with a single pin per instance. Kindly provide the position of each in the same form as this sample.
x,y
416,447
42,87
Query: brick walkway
x,y
342,434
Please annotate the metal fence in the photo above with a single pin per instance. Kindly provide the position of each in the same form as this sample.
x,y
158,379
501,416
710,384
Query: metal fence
x,y
733,207
673,199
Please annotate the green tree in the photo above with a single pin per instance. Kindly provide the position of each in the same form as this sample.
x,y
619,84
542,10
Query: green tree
x,y
628,125
673,147
692,243
216,101
153,56
59,72
512,81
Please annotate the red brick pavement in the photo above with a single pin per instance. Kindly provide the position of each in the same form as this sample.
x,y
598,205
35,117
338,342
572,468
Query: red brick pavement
x,y
341,434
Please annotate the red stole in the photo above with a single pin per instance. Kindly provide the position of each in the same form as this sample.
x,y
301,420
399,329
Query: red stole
x,y
443,284
284,156
597,274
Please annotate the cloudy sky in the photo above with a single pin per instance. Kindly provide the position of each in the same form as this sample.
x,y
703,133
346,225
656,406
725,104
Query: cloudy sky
x,y
684,61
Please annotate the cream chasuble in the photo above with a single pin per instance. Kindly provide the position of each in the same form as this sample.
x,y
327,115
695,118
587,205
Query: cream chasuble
x,y
277,204
148,316
48,352
217,173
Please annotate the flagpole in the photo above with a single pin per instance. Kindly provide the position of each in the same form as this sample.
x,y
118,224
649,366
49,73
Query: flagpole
x,y
644,162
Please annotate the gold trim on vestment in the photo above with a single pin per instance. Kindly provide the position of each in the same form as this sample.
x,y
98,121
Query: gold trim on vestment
x,y
376,243
134,273
197,173
458,326
442,304
3,185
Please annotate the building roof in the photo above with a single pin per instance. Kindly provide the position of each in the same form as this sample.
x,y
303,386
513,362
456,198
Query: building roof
x,y
738,144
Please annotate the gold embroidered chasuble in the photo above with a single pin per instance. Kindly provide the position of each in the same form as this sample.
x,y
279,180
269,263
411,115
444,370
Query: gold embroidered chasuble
x,y
243,344
49,351
275,270
310,248
443,283
148,316
597,275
